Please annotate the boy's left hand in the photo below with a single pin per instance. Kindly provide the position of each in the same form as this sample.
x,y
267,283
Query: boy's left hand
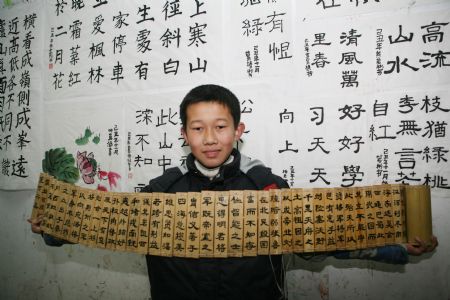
x,y
420,247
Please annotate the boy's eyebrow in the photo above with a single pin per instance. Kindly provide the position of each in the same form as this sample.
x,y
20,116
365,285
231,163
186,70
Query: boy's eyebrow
x,y
201,120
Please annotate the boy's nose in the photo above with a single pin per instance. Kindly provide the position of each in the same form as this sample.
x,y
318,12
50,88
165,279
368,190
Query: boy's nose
x,y
209,138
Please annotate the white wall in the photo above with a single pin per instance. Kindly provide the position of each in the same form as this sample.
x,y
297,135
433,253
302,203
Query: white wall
x,y
31,270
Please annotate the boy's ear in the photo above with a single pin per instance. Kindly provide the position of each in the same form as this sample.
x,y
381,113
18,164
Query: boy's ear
x,y
239,131
183,133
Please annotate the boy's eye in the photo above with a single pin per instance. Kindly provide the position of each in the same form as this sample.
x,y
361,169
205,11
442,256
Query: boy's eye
x,y
220,126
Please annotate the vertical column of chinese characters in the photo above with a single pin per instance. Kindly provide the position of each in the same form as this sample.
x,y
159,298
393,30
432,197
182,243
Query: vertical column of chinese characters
x,y
166,121
380,111
320,62
352,173
114,215
330,216
180,234
193,225
96,72
71,204
308,220
140,160
77,219
370,217
408,156
236,221
61,205
168,224
143,41
71,198
435,58
122,225
399,218
250,30
155,231
120,43
361,228
350,76
96,218
319,220
133,222
297,220
65,45
388,214
104,220
113,141
287,118
144,222
379,214
279,50
286,221
275,221
250,242
208,199
87,218
74,50
16,65
398,64
44,196
171,38
318,117
221,224
38,205
263,222
51,208
340,218
197,35
350,219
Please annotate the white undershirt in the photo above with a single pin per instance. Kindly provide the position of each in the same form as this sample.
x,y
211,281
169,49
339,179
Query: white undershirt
x,y
211,173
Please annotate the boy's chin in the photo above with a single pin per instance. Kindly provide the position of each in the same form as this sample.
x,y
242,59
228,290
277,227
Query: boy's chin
x,y
211,164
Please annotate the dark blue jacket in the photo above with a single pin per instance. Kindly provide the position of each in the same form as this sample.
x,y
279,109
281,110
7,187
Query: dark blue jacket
x,y
258,278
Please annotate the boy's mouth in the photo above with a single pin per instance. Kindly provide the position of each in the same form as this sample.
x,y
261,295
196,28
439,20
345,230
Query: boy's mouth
x,y
211,153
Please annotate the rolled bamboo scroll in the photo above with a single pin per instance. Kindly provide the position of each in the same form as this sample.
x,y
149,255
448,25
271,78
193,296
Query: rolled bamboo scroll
x,y
235,223
418,213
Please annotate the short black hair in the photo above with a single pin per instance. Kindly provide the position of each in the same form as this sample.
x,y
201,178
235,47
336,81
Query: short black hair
x,y
211,93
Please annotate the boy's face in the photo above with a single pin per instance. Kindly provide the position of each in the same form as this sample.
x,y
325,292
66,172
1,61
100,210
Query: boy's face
x,y
210,132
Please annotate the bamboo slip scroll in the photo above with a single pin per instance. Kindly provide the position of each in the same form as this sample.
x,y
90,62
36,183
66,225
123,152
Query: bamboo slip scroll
x,y
235,223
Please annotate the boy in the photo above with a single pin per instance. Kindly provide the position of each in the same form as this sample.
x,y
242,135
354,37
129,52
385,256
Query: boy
x,y
211,125
210,115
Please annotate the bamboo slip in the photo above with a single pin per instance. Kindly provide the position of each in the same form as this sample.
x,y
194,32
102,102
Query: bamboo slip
x,y
235,223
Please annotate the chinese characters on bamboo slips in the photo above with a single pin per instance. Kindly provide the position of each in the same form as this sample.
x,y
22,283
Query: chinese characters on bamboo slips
x,y
234,223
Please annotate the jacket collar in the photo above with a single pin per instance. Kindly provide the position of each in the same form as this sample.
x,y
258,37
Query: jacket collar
x,y
225,171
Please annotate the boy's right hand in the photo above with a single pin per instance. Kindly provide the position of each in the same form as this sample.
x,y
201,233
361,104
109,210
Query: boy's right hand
x,y
36,224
